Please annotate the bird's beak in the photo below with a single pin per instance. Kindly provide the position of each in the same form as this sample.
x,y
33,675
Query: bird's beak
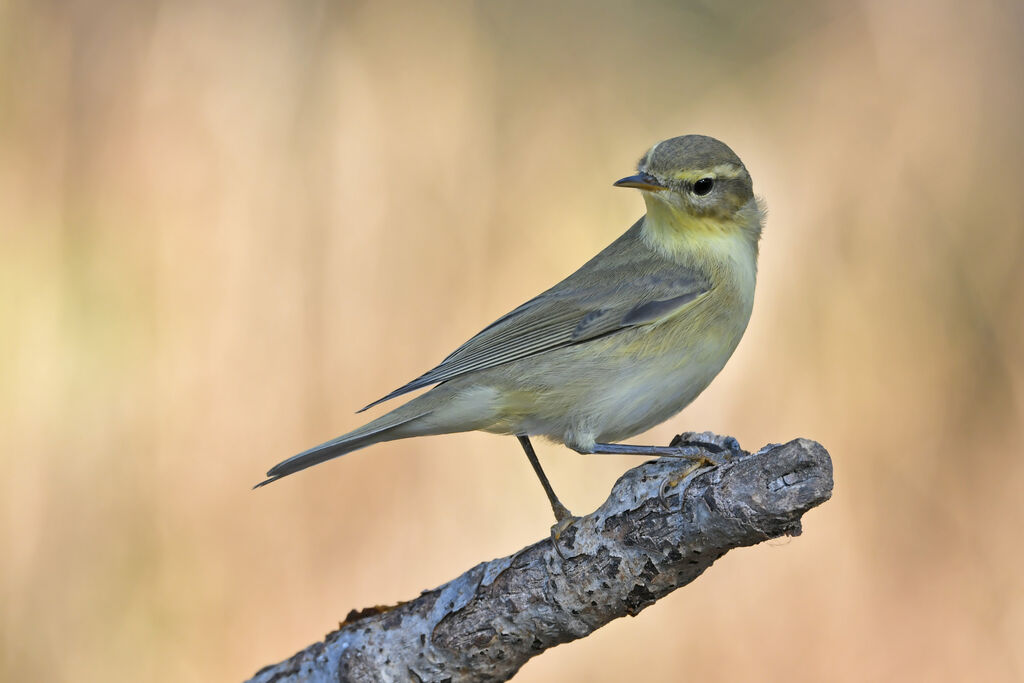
x,y
641,181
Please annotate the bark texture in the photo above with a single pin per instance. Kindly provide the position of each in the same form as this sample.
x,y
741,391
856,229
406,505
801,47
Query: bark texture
x,y
658,530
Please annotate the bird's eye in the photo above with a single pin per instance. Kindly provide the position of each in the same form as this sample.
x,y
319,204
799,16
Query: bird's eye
x,y
703,186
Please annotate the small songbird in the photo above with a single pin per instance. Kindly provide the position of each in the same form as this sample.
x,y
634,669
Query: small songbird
x,y
619,346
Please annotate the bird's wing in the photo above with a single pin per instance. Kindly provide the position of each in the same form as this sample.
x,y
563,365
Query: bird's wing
x,y
571,313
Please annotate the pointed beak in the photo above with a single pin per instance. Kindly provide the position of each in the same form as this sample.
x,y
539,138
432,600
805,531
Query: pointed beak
x,y
641,181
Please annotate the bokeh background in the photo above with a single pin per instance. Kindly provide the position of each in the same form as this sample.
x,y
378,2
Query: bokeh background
x,y
226,226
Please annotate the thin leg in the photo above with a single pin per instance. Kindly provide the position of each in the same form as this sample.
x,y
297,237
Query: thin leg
x,y
561,512
689,452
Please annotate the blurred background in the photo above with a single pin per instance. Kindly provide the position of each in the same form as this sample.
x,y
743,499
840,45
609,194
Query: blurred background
x,y
226,226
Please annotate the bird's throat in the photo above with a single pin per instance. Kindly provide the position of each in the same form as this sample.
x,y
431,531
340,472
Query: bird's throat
x,y
680,235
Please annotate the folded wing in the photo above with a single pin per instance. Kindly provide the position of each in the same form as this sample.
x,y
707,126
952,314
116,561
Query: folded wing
x,y
572,312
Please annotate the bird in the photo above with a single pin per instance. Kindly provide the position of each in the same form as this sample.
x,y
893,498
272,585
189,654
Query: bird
x,y
621,345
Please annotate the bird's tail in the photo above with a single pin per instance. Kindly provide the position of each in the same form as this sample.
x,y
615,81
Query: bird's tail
x,y
397,424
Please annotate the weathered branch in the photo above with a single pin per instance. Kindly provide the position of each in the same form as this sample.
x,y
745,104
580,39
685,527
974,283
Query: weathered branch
x,y
656,532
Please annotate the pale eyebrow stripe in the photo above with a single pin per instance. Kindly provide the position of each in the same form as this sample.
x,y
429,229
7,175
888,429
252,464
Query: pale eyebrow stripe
x,y
727,171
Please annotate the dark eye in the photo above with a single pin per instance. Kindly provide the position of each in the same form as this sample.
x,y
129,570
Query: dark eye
x,y
703,186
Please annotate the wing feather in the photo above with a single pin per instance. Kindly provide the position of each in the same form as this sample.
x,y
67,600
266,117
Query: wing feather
x,y
577,310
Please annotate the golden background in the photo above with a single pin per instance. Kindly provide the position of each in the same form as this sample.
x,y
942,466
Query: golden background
x,y
226,226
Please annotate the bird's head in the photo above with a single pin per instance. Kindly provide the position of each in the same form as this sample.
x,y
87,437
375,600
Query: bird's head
x,y
698,184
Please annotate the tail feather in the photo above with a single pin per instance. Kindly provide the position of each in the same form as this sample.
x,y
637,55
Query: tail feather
x,y
383,428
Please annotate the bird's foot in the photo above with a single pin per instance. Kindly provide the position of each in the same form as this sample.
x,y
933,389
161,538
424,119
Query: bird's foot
x,y
565,520
690,445
723,449
704,454
682,480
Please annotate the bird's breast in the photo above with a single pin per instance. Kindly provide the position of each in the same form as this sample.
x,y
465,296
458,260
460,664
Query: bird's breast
x,y
653,372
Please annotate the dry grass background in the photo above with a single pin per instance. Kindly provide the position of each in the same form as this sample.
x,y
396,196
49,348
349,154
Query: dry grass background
x,y
225,226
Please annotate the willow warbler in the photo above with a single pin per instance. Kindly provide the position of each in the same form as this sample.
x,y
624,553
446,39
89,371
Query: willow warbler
x,y
622,344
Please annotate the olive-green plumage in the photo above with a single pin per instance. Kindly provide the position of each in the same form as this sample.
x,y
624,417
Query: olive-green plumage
x,y
622,344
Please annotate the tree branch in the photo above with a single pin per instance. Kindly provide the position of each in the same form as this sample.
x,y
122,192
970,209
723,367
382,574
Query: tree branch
x,y
657,531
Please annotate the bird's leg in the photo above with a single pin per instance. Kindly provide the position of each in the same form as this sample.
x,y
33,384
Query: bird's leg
x,y
699,454
561,512
563,518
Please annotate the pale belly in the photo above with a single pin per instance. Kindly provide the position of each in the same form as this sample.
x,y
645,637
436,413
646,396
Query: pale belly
x,y
612,389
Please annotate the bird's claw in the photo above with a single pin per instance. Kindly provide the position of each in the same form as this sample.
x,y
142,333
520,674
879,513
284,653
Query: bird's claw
x,y
559,528
683,480
703,456
725,451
